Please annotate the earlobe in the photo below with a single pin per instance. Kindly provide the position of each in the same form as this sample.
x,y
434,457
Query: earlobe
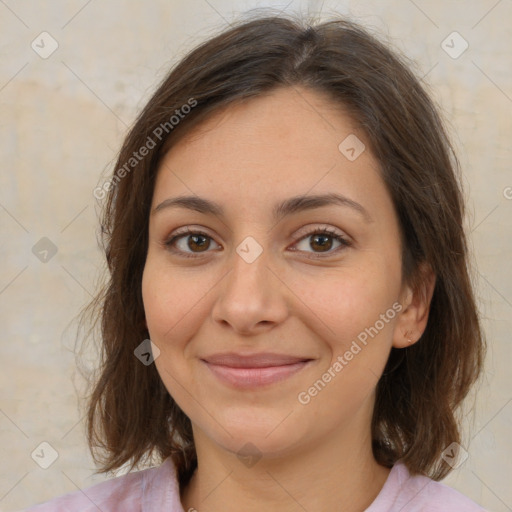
x,y
413,318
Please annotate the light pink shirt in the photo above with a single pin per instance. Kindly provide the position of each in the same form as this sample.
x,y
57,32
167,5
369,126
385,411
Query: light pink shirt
x,y
156,489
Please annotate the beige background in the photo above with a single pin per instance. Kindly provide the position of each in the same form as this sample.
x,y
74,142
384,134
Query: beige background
x,y
61,122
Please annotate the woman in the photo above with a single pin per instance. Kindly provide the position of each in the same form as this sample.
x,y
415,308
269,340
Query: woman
x,y
285,224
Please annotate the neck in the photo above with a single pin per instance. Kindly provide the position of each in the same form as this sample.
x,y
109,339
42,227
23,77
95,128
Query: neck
x,y
325,475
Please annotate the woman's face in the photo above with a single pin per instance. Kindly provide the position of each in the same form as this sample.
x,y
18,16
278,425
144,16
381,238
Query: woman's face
x,y
273,331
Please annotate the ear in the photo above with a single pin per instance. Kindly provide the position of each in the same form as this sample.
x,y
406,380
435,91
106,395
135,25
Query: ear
x,y
415,301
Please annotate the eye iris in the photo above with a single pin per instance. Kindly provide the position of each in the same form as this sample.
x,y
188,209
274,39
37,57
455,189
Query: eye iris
x,y
325,242
203,245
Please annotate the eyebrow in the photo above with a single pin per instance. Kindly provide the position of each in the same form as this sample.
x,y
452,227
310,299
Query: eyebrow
x,y
287,207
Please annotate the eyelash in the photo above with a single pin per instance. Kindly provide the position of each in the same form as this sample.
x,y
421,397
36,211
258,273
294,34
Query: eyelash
x,y
331,233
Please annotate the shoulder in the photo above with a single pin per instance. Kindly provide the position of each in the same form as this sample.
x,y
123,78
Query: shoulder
x,y
406,493
134,492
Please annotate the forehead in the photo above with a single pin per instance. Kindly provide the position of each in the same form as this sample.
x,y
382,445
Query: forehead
x,y
283,143
290,121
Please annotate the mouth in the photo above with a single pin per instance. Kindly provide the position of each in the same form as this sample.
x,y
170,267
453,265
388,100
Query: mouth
x,y
252,371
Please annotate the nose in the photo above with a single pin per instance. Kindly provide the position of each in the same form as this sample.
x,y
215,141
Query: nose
x,y
251,298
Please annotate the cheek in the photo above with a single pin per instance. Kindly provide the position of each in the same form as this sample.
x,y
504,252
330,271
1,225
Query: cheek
x,y
172,306
355,311
170,295
350,300
353,308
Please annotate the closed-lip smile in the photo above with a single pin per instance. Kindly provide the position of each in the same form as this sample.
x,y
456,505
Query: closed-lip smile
x,y
245,371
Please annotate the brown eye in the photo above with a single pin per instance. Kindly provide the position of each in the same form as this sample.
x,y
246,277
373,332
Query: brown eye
x,y
189,243
198,241
322,241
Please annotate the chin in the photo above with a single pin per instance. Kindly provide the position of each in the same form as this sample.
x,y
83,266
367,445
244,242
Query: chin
x,y
243,434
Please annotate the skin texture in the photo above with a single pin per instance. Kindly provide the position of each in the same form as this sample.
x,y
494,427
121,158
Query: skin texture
x,y
247,158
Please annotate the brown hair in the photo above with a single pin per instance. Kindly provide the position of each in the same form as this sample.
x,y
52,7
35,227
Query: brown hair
x,y
131,416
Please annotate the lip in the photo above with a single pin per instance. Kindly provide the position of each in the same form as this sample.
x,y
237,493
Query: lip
x,y
256,370
260,360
